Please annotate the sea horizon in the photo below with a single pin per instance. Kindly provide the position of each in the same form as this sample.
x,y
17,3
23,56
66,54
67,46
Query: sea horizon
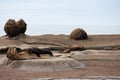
x,y
67,29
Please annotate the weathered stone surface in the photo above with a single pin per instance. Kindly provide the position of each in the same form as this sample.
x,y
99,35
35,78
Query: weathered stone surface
x,y
43,65
95,55
78,34
13,28
62,62
3,61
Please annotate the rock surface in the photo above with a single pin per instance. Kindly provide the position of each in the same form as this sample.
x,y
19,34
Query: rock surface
x,y
69,61
100,62
43,65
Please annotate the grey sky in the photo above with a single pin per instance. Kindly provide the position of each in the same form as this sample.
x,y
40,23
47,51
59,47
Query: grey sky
x,y
62,12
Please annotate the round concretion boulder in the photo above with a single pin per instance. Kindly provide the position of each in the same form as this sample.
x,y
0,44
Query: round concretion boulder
x,y
13,28
78,34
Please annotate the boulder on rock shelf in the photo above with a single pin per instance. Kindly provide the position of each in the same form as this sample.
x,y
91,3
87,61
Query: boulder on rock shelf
x,y
13,28
78,34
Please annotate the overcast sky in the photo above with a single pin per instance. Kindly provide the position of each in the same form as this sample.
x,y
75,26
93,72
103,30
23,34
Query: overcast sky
x,y
62,12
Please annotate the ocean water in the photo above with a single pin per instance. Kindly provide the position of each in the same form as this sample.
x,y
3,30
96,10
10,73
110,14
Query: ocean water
x,y
66,29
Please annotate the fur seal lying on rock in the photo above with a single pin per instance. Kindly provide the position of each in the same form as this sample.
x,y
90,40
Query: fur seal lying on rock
x,y
74,47
3,50
15,53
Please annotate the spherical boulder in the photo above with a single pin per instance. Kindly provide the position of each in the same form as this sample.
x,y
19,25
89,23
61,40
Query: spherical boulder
x,y
13,28
78,34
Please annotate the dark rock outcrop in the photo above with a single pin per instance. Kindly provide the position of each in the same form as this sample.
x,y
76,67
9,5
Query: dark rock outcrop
x,y
13,28
78,34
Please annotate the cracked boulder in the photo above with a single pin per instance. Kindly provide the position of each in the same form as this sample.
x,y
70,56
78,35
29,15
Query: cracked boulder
x,y
13,28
